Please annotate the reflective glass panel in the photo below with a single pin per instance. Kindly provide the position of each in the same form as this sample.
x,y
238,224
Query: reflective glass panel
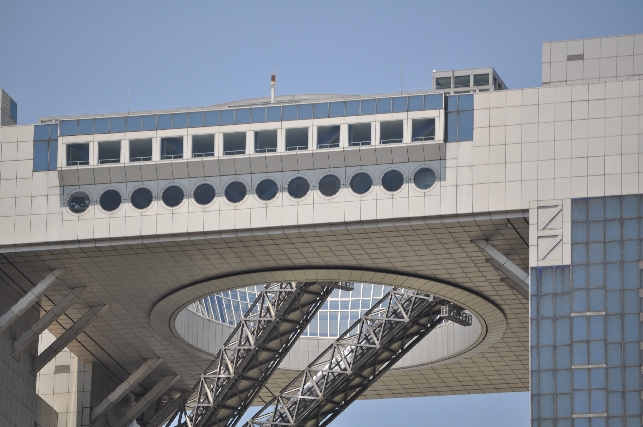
x,y
399,104
68,127
242,116
86,126
195,119
180,120
173,196
259,115
367,106
392,180
133,124
336,109
452,126
305,111
443,83
433,102
329,185
424,178
462,81
40,156
226,117
79,202
164,121
298,187
148,122
141,198
274,114
101,125
481,79
320,110
204,194
361,182
117,124
465,126
267,190
416,103
465,102
53,154
110,200
452,103
41,132
383,105
211,118
289,112
352,108
235,192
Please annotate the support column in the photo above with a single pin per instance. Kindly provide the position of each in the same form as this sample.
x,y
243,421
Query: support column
x,y
29,299
67,337
149,398
56,311
127,386
519,278
166,412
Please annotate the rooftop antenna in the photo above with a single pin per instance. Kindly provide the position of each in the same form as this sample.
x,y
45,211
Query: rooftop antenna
x,y
273,83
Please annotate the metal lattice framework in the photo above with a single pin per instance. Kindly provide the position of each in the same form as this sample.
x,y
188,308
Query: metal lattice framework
x,y
256,347
400,320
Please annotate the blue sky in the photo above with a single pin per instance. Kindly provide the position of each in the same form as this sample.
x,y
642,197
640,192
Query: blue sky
x,y
73,57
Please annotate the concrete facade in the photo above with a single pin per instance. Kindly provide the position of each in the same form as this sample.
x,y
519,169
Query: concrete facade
x,y
534,153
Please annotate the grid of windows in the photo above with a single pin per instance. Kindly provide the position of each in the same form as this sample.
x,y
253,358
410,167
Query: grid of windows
x,y
45,147
585,325
194,119
459,124
342,309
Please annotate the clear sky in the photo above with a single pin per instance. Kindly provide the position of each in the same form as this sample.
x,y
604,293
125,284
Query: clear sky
x,y
76,57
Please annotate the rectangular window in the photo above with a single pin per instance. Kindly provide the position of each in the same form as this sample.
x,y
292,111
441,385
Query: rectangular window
x,y
242,116
140,150
195,119
258,115
68,127
40,156
117,124
133,124
327,136
179,120
164,121
234,143
296,139
203,146
423,129
86,126
352,108
101,126
211,118
367,107
13,110
45,147
226,117
274,114
384,106
416,103
305,111
400,104
172,148
391,132
359,134
320,111
336,109
481,79
77,154
443,83
459,125
148,123
462,81
109,152
289,112
266,141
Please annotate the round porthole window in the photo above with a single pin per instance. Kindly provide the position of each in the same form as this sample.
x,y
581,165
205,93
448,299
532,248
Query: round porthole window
x,y
424,178
173,196
204,194
79,202
110,200
329,185
267,190
235,192
298,187
392,180
361,182
141,198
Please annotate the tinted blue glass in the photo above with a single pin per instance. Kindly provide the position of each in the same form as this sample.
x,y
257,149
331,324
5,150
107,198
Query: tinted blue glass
x,y
562,331
117,124
630,207
579,210
563,409
367,106
211,118
465,126
596,327
41,132
289,112
631,327
563,357
399,104
13,110
164,121
546,406
226,117
546,381
596,252
596,231
134,123
305,111
68,127
581,401
614,353
630,250
632,354
149,122
320,111
352,108
579,301
596,209
632,378
53,154
180,120
452,103
562,305
614,328
579,328
613,251
630,229
416,103
383,105
101,126
242,116
597,300
579,275
612,207
274,114
53,131
614,379
545,331
195,119
40,155
612,230
546,306
465,102
86,126
596,272
631,301
336,109
597,401
433,102
258,115
452,127
581,379
579,232
596,352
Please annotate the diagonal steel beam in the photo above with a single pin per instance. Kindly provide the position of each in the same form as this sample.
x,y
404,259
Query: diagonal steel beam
x,y
519,279
149,398
56,311
29,299
128,385
68,336
166,411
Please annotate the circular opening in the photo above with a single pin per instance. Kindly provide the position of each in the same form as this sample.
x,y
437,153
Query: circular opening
x,y
110,200
235,192
79,202
392,180
204,194
267,190
173,196
424,178
141,198
361,182
329,185
298,187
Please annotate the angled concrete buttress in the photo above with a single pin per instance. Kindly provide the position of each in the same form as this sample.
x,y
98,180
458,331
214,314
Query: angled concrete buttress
x,y
519,278
149,398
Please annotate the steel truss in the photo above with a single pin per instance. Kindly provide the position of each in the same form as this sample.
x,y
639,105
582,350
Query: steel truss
x,y
256,347
360,356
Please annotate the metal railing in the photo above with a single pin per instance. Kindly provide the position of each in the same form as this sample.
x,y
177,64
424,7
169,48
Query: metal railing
x,y
332,145
423,138
391,141
102,161
205,154
77,162
359,143
141,159
266,150
296,147
233,152
171,156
